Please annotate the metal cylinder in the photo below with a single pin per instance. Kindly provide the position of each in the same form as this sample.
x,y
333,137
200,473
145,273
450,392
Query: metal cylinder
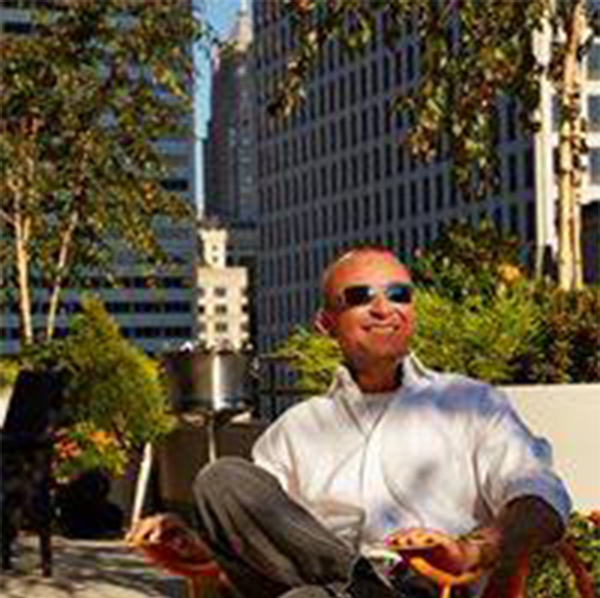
x,y
213,380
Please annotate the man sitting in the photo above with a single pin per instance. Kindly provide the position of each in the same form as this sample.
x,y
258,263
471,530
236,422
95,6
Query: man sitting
x,y
391,446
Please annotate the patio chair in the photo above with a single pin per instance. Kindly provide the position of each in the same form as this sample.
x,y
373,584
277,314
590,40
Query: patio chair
x,y
26,450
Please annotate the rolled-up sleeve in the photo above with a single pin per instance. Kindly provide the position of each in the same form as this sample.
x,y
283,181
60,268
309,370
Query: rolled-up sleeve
x,y
511,462
271,452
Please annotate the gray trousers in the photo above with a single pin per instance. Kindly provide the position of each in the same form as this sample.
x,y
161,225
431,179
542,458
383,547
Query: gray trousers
x,y
270,546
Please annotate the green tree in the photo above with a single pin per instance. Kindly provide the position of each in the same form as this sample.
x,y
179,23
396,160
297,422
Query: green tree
x,y
111,384
314,357
114,398
568,348
471,54
83,100
465,260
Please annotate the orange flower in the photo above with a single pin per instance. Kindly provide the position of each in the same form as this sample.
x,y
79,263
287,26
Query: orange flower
x,y
69,449
594,517
508,273
102,439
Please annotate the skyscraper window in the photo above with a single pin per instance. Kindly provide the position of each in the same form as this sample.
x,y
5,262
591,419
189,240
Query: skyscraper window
x,y
513,179
593,62
375,76
595,166
439,191
593,113
529,168
387,72
410,63
398,68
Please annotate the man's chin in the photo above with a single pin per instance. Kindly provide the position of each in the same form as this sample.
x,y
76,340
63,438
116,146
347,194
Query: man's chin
x,y
376,356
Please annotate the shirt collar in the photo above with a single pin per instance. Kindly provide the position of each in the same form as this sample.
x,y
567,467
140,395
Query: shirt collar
x,y
343,385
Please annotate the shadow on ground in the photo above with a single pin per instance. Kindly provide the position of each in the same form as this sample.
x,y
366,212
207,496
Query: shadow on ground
x,y
86,569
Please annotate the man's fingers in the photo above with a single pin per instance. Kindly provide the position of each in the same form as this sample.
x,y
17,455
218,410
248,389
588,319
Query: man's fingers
x,y
438,548
151,530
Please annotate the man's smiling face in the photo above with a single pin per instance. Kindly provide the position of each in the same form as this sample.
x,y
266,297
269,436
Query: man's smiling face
x,y
379,330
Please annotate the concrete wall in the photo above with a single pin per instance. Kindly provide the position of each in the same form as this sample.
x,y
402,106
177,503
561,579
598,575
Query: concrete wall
x,y
568,415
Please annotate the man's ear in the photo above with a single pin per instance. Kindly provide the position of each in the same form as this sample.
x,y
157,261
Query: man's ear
x,y
324,321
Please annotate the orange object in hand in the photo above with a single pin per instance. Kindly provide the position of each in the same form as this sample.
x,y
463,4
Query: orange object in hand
x,y
435,555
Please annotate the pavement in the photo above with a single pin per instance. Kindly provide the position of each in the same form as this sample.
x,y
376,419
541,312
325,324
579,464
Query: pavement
x,y
86,569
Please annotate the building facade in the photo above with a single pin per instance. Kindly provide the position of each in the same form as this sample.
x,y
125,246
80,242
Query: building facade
x,y
230,198
222,306
229,174
154,315
336,173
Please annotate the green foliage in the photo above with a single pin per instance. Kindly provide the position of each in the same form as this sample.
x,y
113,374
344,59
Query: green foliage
x,y
314,357
466,260
549,577
479,338
82,447
112,383
479,315
568,349
114,398
9,370
475,312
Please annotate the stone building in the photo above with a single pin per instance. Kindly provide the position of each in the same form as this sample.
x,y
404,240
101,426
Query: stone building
x,y
222,295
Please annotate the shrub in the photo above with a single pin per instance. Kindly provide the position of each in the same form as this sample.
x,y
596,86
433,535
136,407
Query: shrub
x,y
568,349
465,261
81,447
549,577
477,337
313,357
114,399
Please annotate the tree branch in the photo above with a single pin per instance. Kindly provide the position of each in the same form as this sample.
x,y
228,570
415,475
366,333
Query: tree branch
x,y
7,218
63,256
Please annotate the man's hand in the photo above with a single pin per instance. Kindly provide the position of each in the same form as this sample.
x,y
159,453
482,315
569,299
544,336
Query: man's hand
x,y
168,542
454,556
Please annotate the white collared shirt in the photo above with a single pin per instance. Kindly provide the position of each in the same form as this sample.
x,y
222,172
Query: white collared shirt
x,y
443,452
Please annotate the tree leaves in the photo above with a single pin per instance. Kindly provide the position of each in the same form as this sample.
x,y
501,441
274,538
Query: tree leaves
x,y
480,339
112,383
471,54
314,357
78,131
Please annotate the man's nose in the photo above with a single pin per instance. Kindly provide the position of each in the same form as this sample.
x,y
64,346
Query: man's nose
x,y
381,306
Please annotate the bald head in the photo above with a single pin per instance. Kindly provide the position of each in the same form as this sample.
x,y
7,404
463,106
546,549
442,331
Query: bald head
x,y
344,266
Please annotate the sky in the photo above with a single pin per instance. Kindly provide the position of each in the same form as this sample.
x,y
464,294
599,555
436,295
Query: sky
x,y
221,15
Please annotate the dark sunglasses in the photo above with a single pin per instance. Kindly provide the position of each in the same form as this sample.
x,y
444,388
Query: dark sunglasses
x,y
363,294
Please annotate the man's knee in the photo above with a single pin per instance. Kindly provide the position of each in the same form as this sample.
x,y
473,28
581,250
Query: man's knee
x,y
222,476
232,481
